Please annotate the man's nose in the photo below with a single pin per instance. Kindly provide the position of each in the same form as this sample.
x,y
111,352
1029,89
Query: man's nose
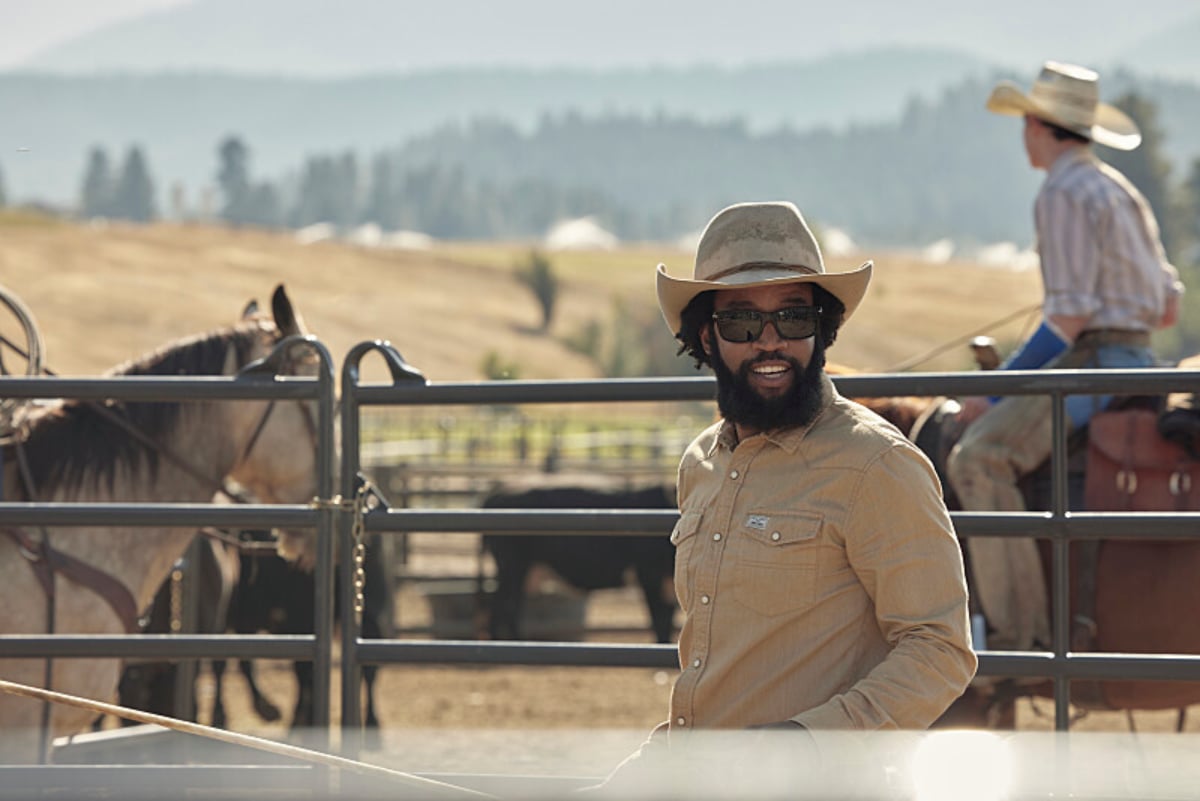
x,y
769,339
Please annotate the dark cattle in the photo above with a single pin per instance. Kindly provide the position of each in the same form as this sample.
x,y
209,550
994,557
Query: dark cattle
x,y
152,686
271,595
588,562
278,597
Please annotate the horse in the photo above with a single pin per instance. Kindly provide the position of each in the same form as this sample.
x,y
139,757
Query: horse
x,y
127,452
1137,587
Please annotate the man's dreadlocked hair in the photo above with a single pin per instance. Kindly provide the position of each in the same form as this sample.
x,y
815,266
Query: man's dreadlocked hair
x,y
698,313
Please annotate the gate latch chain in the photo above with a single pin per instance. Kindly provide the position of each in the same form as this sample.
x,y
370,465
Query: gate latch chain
x,y
365,499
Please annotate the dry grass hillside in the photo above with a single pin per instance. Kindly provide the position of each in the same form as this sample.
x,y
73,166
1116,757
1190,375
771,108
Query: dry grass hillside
x,y
102,295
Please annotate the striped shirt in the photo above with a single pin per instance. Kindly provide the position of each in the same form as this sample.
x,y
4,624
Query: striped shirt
x,y
821,578
1101,252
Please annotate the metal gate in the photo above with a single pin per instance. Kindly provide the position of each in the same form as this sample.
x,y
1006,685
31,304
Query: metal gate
x,y
334,511
1058,525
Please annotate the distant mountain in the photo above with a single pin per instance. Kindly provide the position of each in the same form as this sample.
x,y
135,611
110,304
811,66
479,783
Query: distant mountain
x,y
1172,53
880,142
338,38
180,118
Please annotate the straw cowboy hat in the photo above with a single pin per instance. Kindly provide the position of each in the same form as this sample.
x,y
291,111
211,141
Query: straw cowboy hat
x,y
1069,97
757,244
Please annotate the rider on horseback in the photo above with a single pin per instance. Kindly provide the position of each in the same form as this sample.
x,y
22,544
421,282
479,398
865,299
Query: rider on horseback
x,y
1107,285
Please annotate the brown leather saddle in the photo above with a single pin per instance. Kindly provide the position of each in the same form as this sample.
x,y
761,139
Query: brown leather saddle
x,y
1134,456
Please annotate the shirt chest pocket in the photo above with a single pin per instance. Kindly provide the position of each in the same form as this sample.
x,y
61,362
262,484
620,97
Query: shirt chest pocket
x,y
776,569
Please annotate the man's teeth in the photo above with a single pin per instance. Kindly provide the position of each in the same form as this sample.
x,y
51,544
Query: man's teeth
x,y
770,369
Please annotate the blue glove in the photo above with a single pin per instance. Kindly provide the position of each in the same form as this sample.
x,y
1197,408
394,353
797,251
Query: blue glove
x,y
1042,346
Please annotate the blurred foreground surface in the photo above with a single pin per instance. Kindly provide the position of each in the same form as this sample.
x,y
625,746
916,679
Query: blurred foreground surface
x,y
981,766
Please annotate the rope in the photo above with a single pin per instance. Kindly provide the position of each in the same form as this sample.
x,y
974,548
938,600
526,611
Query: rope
x,y
233,738
954,343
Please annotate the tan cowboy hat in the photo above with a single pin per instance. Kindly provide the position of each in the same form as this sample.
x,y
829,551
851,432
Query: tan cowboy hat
x,y
1068,96
757,244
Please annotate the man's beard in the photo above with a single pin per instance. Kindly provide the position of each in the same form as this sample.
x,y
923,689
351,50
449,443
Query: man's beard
x,y
799,405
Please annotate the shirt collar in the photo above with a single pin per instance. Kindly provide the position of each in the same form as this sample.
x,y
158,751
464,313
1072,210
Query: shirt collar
x,y
1070,158
789,438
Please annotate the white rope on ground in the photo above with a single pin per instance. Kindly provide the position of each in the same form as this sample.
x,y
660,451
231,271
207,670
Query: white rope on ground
x,y
233,738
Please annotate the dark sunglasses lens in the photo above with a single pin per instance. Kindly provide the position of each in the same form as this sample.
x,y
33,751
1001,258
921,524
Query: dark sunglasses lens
x,y
796,323
745,327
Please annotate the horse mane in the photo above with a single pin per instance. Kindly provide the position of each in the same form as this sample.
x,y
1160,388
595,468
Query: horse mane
x,y
902,411
69,441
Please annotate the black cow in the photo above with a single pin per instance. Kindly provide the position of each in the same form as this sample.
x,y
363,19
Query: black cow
x,y
151,686
276,596
585,561
271,595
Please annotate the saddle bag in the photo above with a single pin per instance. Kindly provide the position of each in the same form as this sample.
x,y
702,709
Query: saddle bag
x,y
1132,468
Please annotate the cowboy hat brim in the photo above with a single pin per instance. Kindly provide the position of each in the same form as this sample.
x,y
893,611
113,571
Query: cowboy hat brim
x,y
1111,126
674,294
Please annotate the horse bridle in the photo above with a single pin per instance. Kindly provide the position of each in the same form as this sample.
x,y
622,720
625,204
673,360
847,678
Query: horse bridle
x,y
310,427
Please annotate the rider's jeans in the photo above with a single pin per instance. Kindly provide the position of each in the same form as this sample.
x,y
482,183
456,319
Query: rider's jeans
x,y
1008,441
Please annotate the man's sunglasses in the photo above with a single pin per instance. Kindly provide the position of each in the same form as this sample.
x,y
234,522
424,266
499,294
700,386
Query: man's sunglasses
x,y
746,325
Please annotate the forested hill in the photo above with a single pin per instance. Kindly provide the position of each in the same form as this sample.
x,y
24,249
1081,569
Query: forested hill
x,y
179,117
945,168
938,166
942,169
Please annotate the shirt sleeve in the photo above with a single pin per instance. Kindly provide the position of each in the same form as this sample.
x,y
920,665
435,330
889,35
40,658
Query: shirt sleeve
x,y
1171,278
901,544
1068,250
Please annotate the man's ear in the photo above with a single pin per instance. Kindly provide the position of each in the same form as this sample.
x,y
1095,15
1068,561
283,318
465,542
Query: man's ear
x,y
706,339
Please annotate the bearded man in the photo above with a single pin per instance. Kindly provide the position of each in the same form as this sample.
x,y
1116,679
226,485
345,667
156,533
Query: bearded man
x,y
816,563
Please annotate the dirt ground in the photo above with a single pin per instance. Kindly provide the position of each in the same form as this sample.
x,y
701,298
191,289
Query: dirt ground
x,y
527,720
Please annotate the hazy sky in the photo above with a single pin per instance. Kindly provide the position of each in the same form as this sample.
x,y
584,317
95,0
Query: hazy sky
x,y
27,26
1016,32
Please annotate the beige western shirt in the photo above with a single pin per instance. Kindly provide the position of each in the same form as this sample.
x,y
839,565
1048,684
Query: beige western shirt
x,y
821,578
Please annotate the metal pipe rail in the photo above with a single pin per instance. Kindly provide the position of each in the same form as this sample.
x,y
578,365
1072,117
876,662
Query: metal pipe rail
x,y
167,647
410,388
153,515
409,391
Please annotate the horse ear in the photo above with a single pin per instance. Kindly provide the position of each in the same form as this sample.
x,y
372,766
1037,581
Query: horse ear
x,y
250,310
287,320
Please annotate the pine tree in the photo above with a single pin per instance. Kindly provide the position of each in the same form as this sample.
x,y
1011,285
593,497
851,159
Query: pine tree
x,y
96,196
1191,214
328,191
133,198
537,273
381,205
233,178
264,208
345,189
